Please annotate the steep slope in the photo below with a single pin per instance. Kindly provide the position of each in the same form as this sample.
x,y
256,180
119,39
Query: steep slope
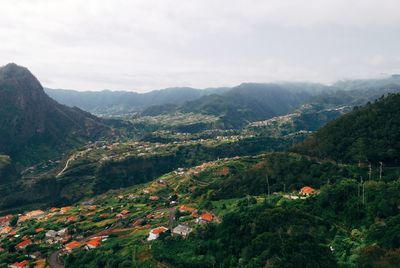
x,y
32,124
370,133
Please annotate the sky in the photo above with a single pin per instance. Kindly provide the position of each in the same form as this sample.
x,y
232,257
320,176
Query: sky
x,y
141,45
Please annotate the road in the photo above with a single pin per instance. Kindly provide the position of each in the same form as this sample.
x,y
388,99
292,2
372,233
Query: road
x,y
53,260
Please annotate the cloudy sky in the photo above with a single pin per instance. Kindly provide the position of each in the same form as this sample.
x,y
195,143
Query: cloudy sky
x,y
147,44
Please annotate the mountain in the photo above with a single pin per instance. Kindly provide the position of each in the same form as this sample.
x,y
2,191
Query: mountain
x,y
122,102
32,125
252,102
367,83
369,133
245,103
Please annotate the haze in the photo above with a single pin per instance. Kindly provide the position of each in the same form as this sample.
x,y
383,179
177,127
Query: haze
x,y
147,44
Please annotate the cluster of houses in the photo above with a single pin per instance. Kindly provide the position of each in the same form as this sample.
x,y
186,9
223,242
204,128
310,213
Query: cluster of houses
x,y
182,230
91,243
53,237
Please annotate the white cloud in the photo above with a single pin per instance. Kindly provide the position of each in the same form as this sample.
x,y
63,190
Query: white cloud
x,y
146,44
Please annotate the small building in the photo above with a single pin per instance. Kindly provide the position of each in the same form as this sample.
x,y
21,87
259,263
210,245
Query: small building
x,y
35,255
34,214
184,208
205,217
124,213
21,264
53,210
65,209
182,230
51,234
72,218
155,233
6,230
154,198
23,244
5,220
72,245
39,230
93,243
307,190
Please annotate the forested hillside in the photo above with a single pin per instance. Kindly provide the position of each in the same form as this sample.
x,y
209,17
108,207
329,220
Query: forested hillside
x,y
369,133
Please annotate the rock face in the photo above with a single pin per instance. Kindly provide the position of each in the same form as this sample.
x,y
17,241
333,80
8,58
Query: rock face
x,y
32,123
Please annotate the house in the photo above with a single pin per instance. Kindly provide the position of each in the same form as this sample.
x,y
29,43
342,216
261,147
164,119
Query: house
x,y
307,190
93,243
104,215
182,230
72,218
65,209
23,244
53,210
53,237
6,230
154,198
34,214
39,230
5,220
21,264
123,214
92,207
184,208
51,234
155,233
205,217
35,255
72,245
62,232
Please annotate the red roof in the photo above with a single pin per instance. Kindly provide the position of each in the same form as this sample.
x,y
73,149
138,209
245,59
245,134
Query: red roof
x,y
104,215
5,218
72,245
159,230
307,190
187,209
20,264
6,230
38,230
23,244
125,212
95,242
207,217
72,218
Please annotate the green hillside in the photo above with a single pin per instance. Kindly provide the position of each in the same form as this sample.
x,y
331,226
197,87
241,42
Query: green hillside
x,y
368,133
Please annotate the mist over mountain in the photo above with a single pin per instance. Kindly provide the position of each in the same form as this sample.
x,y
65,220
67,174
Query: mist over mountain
x,y
108,102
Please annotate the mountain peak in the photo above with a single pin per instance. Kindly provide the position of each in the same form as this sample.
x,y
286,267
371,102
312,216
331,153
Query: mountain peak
x,y
12,70
19,78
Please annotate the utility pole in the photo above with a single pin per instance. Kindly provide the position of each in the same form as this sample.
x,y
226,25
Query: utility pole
x,y
380,170
362,190
370,170
268,185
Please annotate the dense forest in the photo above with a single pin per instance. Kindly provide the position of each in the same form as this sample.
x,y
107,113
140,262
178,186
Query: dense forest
x,y
368,134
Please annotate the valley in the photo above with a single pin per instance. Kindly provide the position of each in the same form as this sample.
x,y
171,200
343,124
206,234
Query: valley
x,y
289,175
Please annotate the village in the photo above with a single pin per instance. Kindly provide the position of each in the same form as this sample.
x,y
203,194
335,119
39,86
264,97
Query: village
x,y
141,214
